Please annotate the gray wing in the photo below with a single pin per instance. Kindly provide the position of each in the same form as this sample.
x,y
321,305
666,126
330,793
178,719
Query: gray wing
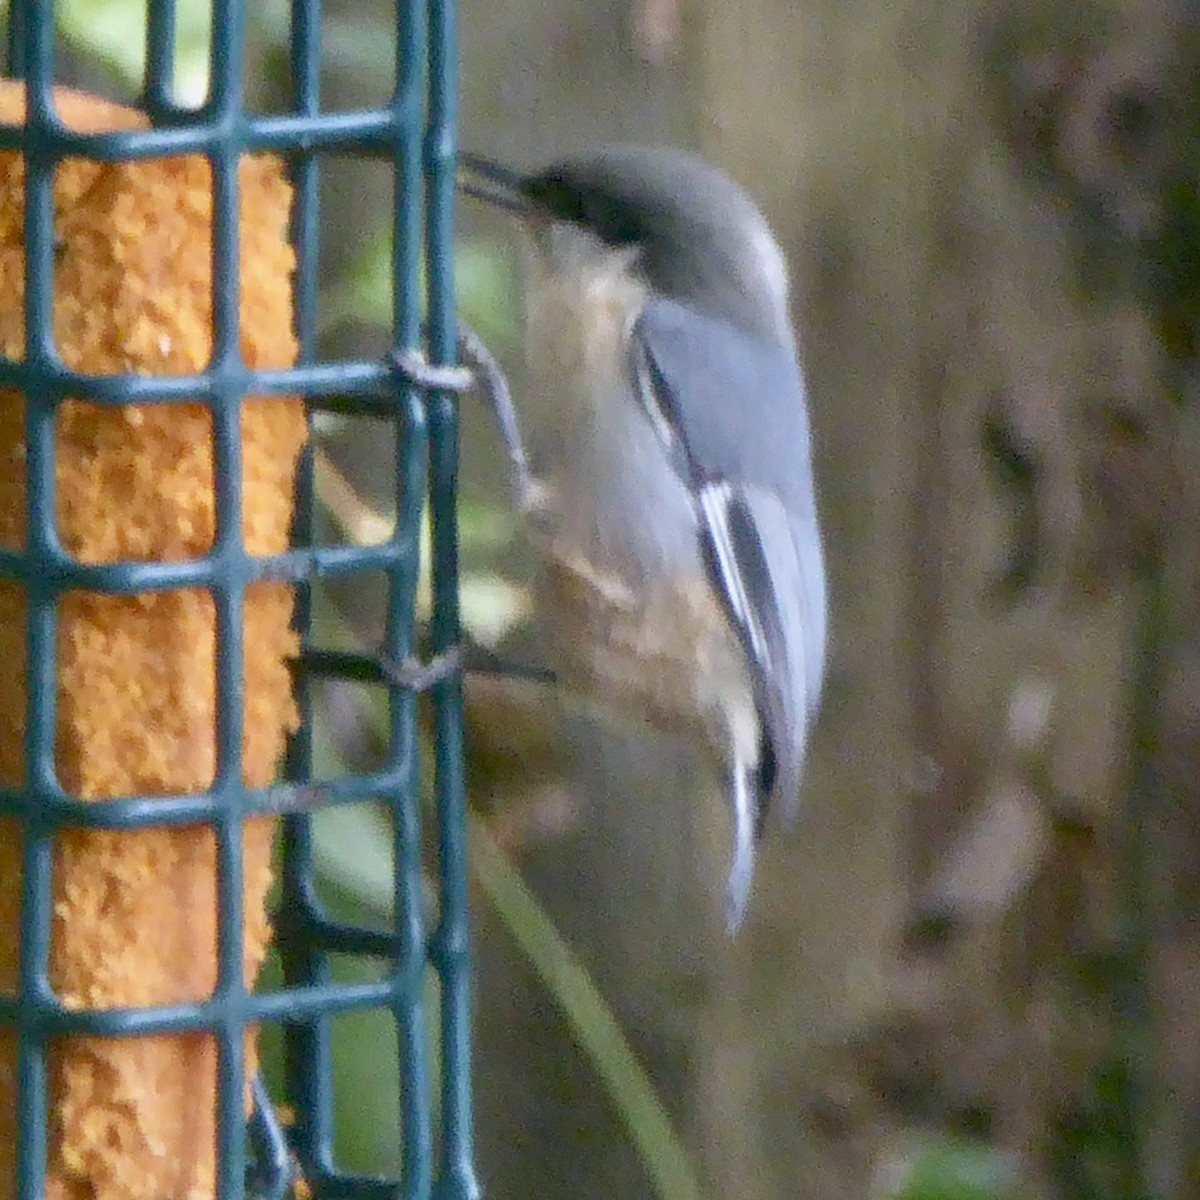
x,y
731,411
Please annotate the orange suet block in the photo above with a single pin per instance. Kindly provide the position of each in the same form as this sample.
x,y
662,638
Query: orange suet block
x,y
135,913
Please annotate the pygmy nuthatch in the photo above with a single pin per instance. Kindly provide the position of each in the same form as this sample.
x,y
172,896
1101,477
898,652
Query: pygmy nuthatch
x,y
669,484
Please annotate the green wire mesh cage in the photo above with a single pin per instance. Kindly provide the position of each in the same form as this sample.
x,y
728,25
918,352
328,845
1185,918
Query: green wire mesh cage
x,y
414,132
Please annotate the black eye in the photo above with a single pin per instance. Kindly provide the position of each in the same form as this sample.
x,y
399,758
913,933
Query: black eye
x,y
558,197
595,208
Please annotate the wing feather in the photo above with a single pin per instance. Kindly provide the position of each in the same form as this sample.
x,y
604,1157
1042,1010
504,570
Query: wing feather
x,y
731,413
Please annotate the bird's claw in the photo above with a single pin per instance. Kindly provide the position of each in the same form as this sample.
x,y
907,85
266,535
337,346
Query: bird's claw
x,y
413,675
479,369
414,368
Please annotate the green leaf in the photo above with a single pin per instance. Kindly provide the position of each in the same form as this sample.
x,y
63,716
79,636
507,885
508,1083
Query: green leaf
x,y
596,1029
484,528
353,849
954,1169
363,290
492,605
488,299
488,295
114,33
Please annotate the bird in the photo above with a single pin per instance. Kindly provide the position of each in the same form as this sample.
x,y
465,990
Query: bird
x,y
666,475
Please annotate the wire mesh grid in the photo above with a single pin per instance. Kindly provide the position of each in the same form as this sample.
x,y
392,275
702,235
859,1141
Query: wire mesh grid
x,y
414,131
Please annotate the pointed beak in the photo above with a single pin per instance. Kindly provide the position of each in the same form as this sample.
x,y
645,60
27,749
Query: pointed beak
x,y
492,183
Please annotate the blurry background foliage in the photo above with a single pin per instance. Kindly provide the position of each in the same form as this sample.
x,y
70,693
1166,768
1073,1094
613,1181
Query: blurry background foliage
x,y
972,970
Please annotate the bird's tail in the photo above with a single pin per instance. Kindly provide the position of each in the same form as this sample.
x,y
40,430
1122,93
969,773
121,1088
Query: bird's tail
x,y
745,838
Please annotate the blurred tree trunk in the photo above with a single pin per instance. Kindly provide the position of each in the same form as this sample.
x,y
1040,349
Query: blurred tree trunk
x,y
991,383
794,980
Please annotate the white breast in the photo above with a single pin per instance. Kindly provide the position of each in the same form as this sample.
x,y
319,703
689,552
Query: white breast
x,y
624,599
610,490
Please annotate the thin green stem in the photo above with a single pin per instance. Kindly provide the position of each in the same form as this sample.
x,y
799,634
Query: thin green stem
x,y
599,1035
